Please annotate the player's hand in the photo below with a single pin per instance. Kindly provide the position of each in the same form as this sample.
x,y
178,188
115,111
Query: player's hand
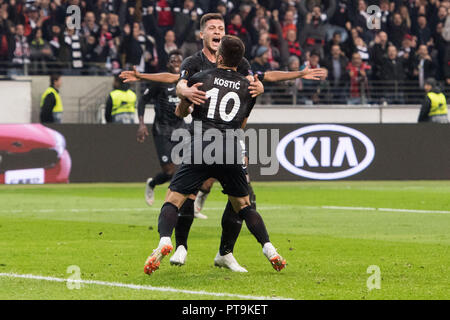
x,y
142,133
130,76
256,87
314,74
194,94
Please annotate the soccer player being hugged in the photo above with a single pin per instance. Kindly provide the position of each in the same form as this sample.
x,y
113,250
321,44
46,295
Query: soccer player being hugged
x,y
227,110
212,30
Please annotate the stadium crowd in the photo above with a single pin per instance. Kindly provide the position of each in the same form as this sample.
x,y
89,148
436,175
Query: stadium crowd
x,y
404,41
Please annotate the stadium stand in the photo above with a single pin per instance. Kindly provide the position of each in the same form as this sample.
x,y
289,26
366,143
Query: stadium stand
x,y
385,64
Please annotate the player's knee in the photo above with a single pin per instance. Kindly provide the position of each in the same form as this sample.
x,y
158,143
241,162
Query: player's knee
x,y
207,185
239,203
175,198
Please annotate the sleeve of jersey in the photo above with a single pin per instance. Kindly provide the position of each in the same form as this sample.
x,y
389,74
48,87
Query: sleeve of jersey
x,y
146,97
187,69
194,79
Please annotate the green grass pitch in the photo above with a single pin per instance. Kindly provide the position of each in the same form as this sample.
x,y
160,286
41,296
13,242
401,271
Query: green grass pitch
x,y
325,230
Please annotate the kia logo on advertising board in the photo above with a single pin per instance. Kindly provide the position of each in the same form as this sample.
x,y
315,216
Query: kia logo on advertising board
x,y
325,152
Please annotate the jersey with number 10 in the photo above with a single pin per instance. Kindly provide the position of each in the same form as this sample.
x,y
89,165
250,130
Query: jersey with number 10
x,y
228,99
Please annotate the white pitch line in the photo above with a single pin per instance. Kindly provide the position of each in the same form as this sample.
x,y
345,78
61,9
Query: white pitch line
x,y
383,209
287,207
140,287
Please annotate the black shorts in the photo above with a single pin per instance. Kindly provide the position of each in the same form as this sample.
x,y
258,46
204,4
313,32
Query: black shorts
x,y
189,178
164,148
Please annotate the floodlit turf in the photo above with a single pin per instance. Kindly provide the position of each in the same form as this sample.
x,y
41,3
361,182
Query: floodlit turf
x,y
108,231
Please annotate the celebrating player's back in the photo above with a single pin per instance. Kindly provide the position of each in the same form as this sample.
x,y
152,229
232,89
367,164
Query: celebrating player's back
x,y
228,99
227,107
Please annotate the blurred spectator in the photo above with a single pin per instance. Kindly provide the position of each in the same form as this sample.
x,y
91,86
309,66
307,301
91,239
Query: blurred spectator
x,y
422,65
261,63
385,15
336,65
423,32
379,51
393,72
357,71
21,53
236,28
408,47
90,27
311,88
71,51
183,20
273,54
40,52
404,13
165,42
293,45
112,35
336,39
315,29
361,48
138,49
288,23
397,30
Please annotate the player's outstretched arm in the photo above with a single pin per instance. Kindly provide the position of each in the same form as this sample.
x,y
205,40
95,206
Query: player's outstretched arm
x,y
134,75
307,73
192,93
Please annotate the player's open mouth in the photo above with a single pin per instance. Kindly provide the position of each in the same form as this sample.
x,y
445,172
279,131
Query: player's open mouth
x,y
216,40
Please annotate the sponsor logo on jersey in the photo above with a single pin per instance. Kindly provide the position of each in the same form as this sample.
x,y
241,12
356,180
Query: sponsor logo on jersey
x,y
325,152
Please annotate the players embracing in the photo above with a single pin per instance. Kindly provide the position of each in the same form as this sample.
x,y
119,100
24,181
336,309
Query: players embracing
x,y
221,116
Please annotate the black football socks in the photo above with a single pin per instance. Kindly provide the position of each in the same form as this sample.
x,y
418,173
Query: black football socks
x,y
255,224
167,219
231,227
185,219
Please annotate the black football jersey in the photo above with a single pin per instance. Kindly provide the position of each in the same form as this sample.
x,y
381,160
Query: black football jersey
x,y
166,100
228,99
198,62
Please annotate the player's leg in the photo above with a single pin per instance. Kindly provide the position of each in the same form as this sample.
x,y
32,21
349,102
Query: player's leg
x,y
202,194
232,178
163,149
255,224
166,223
184,223
234,183
186,181
231,222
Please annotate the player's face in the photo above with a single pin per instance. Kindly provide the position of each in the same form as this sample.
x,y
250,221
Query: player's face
x,y
174,63
212,34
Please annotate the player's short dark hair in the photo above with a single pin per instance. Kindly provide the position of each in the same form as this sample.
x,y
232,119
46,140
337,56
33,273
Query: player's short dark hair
x,y
231,50
53,78
210,16
175,53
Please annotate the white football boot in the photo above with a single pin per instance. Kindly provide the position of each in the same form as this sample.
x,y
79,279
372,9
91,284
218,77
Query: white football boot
x,y
179,257
198,205
228,261
153,261
149,193
276,260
